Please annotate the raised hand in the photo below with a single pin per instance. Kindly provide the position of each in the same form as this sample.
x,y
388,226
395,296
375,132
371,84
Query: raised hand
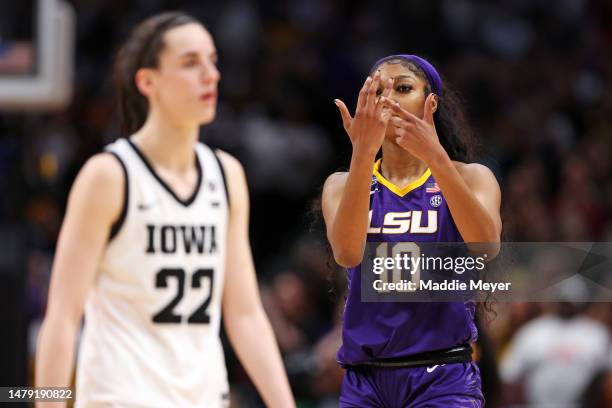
x,y
417,136
367,129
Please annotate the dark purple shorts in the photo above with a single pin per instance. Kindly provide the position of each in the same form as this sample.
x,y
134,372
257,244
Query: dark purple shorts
x,y
454,385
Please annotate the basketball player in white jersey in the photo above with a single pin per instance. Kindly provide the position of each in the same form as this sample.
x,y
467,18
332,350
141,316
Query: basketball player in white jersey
x,y
154,245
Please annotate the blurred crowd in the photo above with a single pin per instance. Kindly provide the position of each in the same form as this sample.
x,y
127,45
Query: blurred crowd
x,y
535,77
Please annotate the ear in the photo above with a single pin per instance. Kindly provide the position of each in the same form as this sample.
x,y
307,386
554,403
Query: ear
x,y
431,104
144,80
434,104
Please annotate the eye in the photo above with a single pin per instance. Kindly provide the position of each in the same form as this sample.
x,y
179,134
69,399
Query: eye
x,y
403,88
190,63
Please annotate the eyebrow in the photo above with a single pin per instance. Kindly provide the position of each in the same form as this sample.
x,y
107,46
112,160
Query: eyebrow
x,y
194,54
189,54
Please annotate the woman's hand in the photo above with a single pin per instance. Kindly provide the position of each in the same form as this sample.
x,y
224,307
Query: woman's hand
x,y
367,129
417,136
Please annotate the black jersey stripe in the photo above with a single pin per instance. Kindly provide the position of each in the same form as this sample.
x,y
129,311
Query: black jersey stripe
x,y
216,154
116,227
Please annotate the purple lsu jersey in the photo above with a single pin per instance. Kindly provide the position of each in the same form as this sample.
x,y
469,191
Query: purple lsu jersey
x,y
377,330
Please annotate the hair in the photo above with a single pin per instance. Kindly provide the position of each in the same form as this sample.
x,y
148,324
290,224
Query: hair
x,y
451,125
141,50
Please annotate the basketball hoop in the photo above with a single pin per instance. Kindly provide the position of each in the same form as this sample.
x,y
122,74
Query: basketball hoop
x,y
36,69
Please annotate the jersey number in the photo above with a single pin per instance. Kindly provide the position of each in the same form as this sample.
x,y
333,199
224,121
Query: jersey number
x,y
167,315
399,249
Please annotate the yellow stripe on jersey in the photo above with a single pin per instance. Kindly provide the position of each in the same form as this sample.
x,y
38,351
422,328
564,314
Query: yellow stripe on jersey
x,y
400,191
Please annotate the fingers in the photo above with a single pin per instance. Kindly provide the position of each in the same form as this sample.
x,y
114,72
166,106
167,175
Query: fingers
x,y
363,94
402,127
402,140
388,88
385,115
381,103
399,122
345,114
397,110
371,93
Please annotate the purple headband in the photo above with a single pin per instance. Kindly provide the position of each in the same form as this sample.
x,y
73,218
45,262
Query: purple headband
x,y
430,72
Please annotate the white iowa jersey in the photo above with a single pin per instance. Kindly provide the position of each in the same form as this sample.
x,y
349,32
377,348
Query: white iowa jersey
x,y
151,336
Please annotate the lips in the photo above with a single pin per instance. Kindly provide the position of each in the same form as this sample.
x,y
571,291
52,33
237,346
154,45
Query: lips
x,y
208,96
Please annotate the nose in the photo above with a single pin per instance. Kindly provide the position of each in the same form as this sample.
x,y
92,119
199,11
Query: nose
x,y
210,73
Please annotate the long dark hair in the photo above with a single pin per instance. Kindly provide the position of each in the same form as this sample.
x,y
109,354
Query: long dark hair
x,y
141,50
451,125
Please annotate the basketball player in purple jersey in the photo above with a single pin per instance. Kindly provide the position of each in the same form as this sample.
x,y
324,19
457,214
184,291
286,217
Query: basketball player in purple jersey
x,y
401,354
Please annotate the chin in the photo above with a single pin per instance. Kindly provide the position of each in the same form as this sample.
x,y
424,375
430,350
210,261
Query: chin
x,y
208,116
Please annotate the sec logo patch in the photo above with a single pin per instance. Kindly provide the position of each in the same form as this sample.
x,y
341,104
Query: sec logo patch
x,y
436,200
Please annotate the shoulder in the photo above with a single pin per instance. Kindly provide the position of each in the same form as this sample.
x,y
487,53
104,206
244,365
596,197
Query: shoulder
x,y
595,329
473,170
231,165
99,187
539,327
336,181
237,187
333,189
475,173
104,170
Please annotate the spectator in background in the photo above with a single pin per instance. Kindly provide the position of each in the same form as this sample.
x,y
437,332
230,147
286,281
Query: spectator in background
x,y
554,357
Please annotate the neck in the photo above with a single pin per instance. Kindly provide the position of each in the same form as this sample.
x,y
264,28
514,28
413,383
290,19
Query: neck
x,y
398,164
168,144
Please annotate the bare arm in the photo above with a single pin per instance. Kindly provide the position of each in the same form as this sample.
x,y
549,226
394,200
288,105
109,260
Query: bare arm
x,y
345,203
246,323
471,190
473,197
345,199
94,204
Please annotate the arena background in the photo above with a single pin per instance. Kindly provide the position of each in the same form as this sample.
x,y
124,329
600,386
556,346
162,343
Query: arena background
x,y
535,79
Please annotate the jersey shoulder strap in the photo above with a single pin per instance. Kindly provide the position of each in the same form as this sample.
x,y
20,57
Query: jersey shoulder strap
x,y
213,163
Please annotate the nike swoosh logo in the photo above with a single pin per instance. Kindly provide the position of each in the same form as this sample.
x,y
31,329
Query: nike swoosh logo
x,y
431,369
372,192
144,207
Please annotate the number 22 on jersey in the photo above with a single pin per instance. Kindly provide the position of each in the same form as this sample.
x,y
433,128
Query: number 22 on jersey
x,y
167,314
